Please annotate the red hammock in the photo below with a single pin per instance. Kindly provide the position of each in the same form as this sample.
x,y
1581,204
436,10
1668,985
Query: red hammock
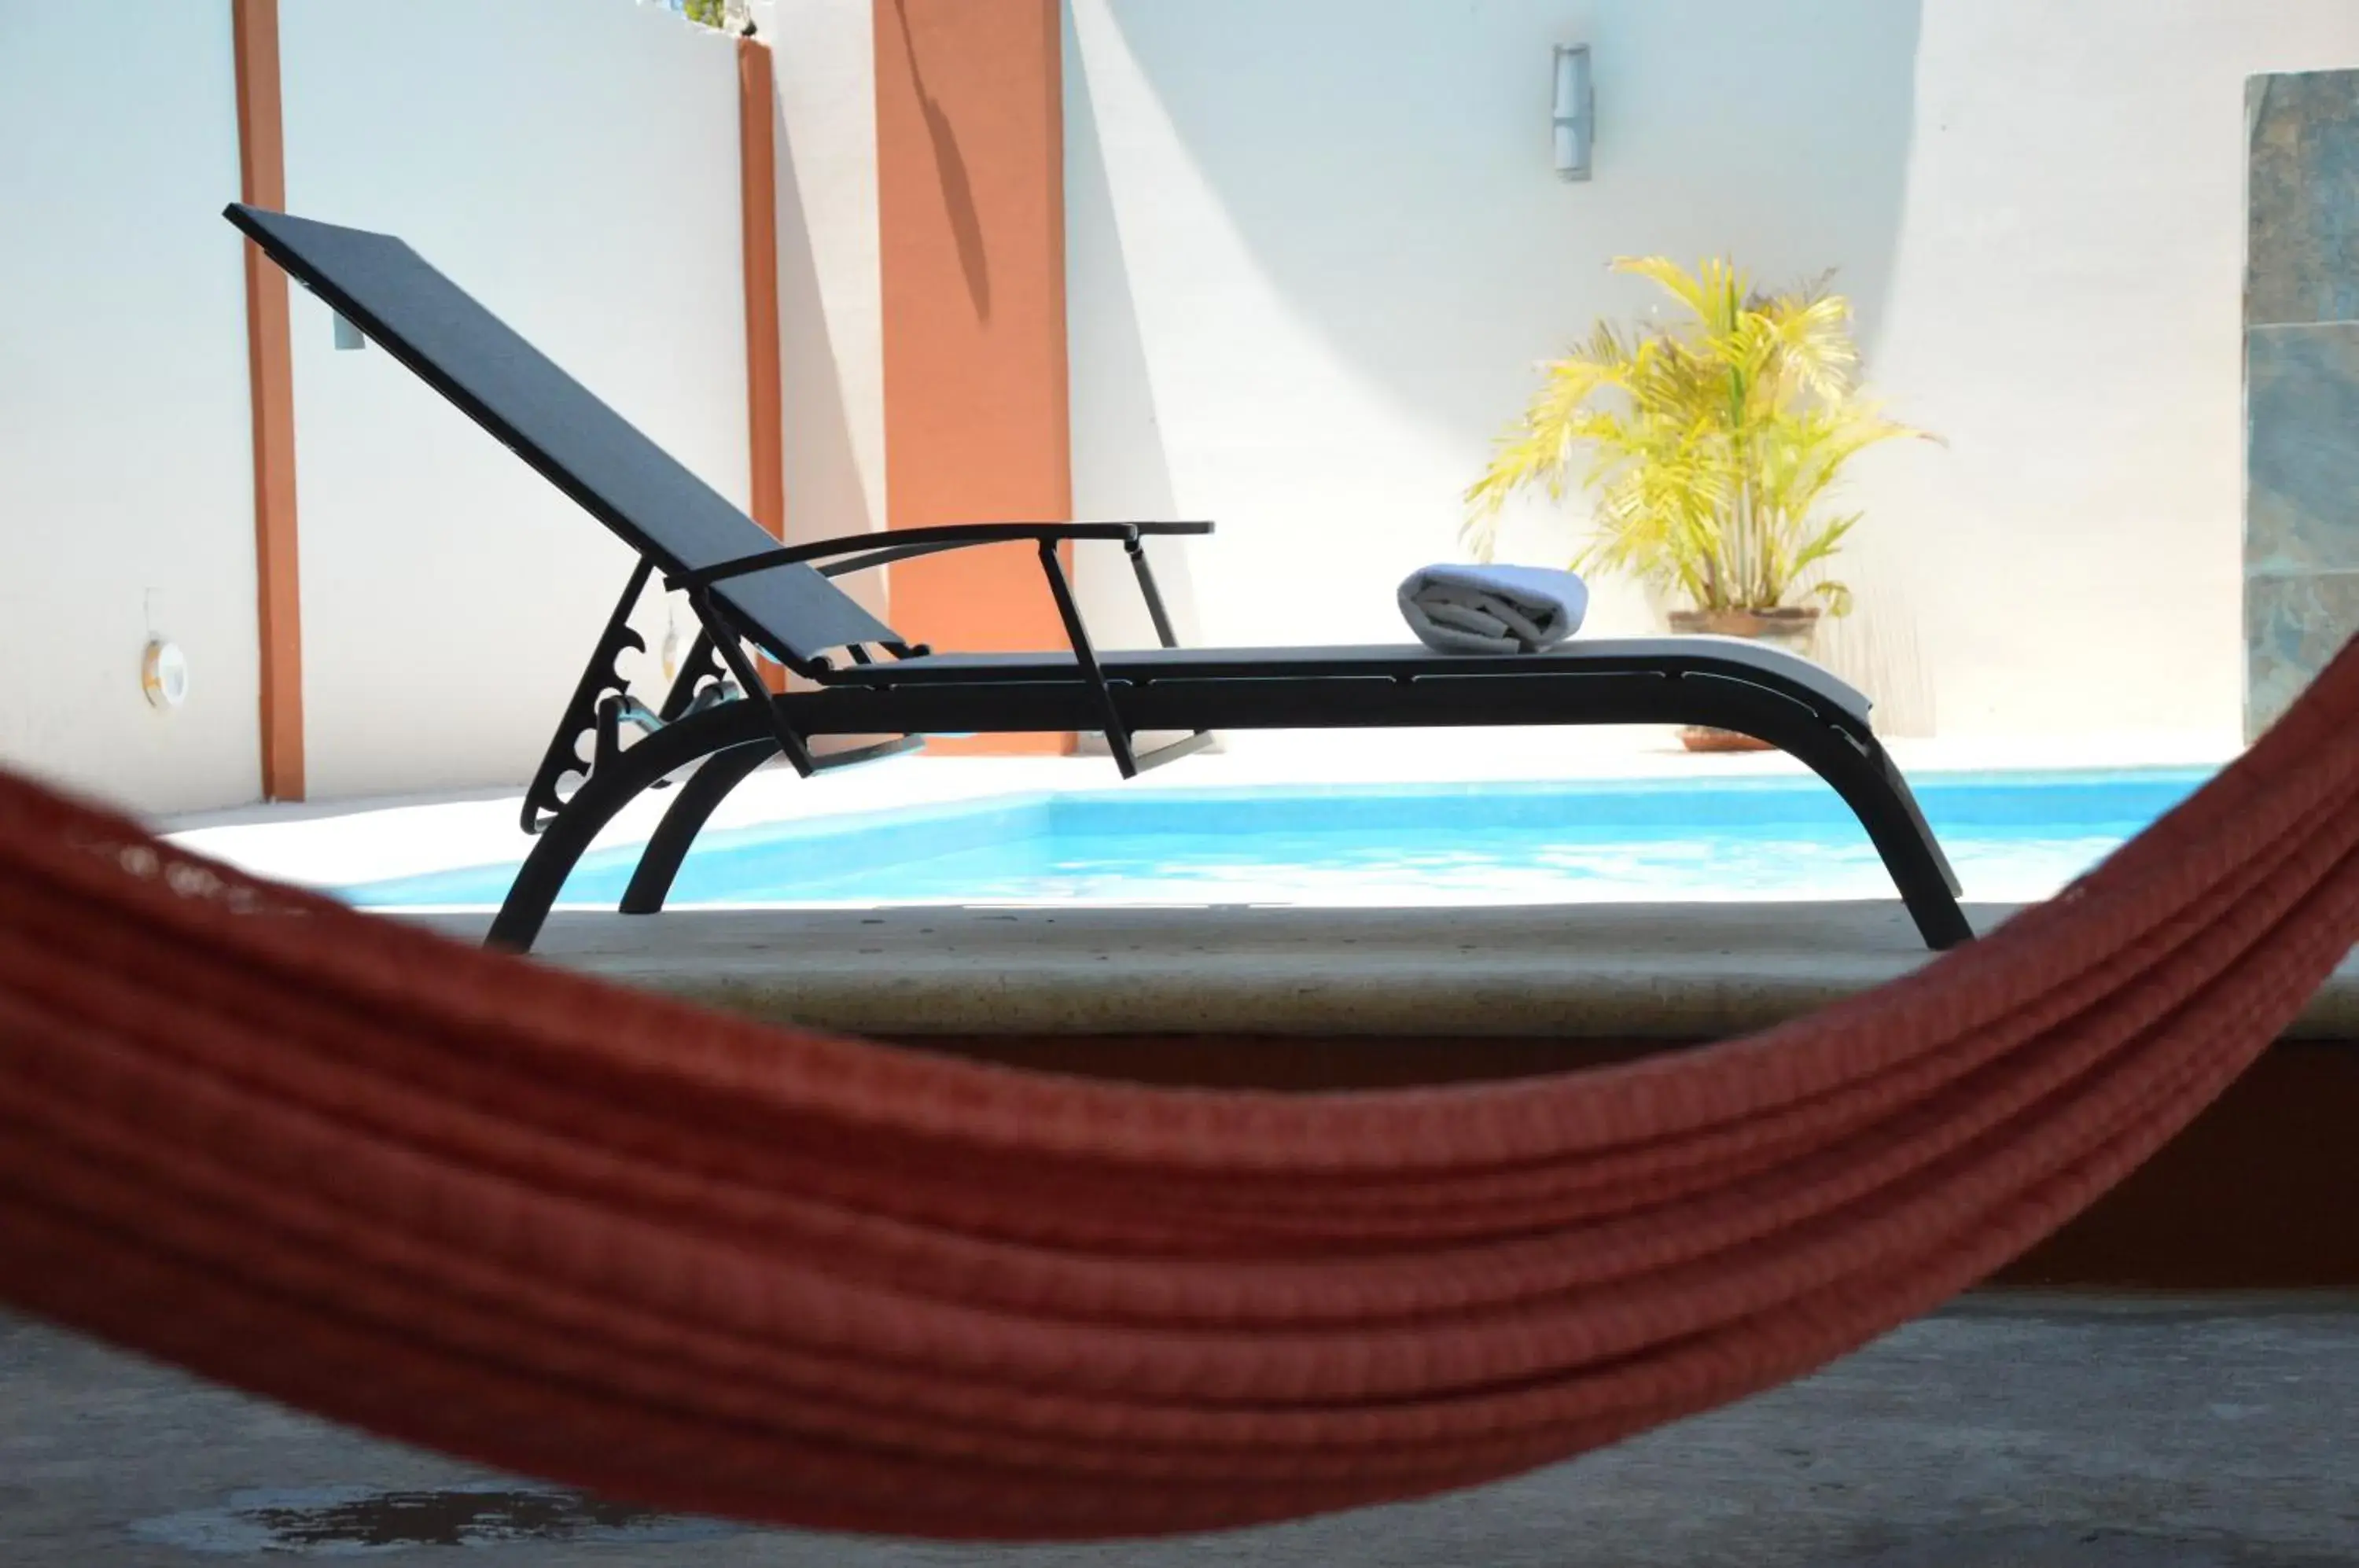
x,y
692,1262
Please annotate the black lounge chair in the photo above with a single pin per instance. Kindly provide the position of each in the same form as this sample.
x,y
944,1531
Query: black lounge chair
x,y
869,681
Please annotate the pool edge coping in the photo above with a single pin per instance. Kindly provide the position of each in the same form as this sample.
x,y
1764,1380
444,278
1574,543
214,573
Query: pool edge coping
x,y
1669,972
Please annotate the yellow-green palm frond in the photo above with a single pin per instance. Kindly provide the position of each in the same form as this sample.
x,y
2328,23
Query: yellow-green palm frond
x,y
1540,446
1711,440
1704,291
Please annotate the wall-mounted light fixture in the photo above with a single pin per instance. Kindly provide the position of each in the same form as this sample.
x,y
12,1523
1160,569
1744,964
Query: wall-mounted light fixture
x,y
164,673
348,336
1576,112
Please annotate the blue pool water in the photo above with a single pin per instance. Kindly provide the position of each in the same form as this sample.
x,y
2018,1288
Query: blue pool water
x,y
2011,837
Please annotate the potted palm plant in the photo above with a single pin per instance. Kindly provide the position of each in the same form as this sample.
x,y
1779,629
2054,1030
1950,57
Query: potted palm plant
x,y
1713,442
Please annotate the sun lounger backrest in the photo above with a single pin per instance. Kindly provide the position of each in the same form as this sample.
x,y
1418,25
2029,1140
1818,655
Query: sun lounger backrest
x,y
554,423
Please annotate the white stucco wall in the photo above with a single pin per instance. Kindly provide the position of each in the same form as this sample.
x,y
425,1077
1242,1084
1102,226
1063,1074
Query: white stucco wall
x,y
831,316
126,494
1316,246
574,167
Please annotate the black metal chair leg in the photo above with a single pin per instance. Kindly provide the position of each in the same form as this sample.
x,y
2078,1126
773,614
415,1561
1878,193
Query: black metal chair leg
x,y
1931,901
554,854
1085,659
1928,886
1879,796
616,784
659,863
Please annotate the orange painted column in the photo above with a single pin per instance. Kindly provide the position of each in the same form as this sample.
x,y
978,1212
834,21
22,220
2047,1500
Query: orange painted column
x,y
262,177
757,207
971,199
757,173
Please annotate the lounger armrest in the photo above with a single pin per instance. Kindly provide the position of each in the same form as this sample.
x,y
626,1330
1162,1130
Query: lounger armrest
x,y
900,544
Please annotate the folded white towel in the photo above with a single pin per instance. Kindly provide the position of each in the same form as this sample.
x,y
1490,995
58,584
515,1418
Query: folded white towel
x,y
1493,609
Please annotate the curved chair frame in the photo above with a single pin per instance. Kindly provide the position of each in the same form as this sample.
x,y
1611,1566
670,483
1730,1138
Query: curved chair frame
x,y
748,592
727,741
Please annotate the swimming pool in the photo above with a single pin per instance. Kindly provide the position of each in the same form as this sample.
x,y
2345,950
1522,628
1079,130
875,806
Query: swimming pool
x,y
2011,837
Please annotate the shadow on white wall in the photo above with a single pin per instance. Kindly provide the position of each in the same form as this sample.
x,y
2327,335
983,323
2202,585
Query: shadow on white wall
x,y
1316,250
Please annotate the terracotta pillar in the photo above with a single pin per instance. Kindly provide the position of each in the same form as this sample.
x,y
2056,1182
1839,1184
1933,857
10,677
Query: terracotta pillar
x,y
757,206
969,150
262,170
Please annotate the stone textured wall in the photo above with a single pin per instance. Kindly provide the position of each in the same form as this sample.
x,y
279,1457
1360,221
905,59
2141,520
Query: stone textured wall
x,y
2302,384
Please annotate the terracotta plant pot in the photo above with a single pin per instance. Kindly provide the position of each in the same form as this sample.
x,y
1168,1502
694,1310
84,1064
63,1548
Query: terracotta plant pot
x,y
1795,629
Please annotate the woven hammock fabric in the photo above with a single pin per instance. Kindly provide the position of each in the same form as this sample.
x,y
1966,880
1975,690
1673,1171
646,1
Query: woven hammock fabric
x,y
686,1260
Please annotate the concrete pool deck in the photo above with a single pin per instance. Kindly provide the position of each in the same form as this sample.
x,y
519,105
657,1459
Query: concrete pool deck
x,y
1633,971
1545,984
2003,1432
1653,971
